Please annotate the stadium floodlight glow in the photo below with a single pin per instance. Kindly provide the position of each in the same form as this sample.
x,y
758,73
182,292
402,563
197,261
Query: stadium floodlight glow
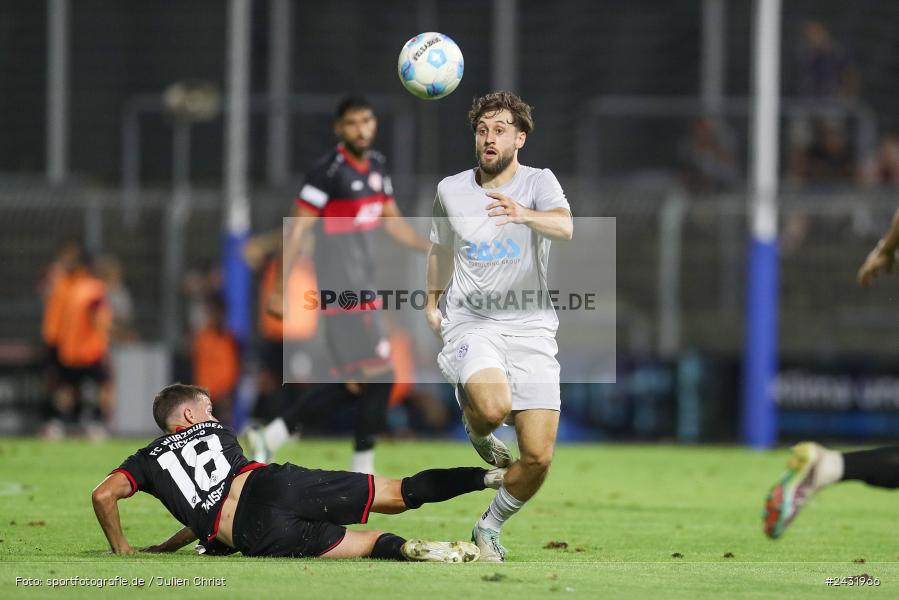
x,y
193,100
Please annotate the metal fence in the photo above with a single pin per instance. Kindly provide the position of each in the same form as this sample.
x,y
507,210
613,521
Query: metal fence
x,y
680,262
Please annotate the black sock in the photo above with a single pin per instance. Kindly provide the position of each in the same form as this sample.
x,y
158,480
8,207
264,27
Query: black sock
x,y
371,415
437,485
878,467
387,547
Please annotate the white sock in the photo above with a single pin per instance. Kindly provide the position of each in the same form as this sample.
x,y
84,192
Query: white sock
x,y
504,505
364,462
829,469
275,434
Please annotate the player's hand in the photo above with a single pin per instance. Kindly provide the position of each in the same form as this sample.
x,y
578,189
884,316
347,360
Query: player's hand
x,y
435,319
274,305
508,208
124,550
154,549
253,254
877,262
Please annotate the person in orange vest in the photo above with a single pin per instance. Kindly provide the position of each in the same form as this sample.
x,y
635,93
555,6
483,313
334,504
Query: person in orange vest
x,y
216,359
83,347
298,328
54,289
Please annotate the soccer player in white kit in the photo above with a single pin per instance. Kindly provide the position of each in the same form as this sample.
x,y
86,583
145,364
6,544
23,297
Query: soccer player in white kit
x,y
491,232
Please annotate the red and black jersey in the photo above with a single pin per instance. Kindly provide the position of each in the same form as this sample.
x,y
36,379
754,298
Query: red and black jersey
x,y
190,471
349,195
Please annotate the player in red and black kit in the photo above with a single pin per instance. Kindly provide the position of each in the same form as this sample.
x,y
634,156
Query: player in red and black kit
x,y
346,197
200,474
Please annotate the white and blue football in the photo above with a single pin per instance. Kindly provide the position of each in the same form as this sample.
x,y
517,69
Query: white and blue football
x,y
430,65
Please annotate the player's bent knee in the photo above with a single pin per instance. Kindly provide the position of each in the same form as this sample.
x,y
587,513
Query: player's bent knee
x,y
537,462
494,415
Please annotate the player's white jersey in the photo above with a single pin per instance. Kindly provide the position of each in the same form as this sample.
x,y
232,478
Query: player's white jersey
x,y
499,275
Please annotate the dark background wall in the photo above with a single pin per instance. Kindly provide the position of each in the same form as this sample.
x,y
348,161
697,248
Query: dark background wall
x,y
569,51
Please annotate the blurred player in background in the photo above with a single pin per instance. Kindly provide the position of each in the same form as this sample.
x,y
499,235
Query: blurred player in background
x,y
502,361
198,471
345,195
811,466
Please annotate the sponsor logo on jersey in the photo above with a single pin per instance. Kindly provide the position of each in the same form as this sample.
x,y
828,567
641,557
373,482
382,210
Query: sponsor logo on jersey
x,y
368,213
375,181
495,251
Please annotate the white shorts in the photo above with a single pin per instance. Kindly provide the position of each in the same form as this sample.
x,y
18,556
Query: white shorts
x,y
529,363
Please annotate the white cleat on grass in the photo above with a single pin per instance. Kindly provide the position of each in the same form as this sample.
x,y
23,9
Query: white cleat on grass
x,y
259,450
487,541
450,552
490,448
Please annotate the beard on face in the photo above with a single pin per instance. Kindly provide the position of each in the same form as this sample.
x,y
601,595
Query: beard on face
x,y
353,148
502,161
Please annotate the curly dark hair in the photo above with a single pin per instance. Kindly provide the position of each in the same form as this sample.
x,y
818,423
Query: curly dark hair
x,y
497,101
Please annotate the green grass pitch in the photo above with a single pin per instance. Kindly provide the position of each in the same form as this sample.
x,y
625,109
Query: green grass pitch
x,y
623,511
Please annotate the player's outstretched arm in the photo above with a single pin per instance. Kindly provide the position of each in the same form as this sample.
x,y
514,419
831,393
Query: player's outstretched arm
x,y
259,246
440,270
882,257
105,498
399,229
555,224
178,540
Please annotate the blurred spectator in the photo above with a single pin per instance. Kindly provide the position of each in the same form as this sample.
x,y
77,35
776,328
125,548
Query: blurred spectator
x,y
298,326
881,170
708,156
68,257
825,77
83,347
827,164
825,72
55,286
216,359
828,161
414,409
199,284
121,304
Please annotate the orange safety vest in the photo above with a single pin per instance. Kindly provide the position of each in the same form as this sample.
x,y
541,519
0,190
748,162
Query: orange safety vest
x,y
60,284
299,323
84,322
403,359
216,361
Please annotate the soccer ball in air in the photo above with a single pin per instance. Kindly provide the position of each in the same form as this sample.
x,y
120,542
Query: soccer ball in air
x,y
430,65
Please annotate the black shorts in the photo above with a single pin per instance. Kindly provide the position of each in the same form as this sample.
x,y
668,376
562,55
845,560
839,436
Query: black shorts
x,y
271,354
96,372
356,340
52,355
286,510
